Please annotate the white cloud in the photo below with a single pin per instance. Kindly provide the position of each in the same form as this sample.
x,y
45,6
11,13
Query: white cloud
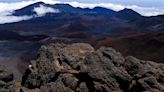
x,y
6,7
6,10
6,17
146,11
11,19
17,5
42,10
115,7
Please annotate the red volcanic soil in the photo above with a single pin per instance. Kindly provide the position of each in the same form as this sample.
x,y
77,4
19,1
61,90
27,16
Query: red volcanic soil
x,y
146,46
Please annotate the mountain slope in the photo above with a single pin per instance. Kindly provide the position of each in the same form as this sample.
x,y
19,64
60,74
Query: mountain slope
x,y
64,8
147,46
128,14
67,13
28,10
98,22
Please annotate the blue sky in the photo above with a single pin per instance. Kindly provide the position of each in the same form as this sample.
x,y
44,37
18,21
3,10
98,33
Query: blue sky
x,y
146,3
143,3
158,4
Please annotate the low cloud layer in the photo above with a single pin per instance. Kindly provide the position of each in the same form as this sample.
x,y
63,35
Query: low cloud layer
x,y
6,17
42,10
6,9
10,19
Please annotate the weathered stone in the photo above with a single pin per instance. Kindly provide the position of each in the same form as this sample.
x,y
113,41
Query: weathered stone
x,y
79,68
6,80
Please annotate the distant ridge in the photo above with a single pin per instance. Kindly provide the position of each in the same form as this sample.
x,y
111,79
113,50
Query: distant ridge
x,y
128,14
28,10
96,21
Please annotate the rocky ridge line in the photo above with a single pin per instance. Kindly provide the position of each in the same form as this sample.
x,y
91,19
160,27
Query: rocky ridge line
x,y
80,68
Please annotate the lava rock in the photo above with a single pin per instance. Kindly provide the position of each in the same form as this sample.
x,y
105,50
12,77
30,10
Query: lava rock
x,y
79,68
6,80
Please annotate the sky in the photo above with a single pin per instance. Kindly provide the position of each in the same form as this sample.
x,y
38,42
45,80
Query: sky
x,y
144,7
144,3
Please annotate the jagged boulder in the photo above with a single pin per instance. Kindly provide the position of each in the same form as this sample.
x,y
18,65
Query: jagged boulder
x,y
6,80
79,68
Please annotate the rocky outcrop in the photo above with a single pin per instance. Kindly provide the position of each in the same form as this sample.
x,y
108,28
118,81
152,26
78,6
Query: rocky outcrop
x,y
80,68
6,80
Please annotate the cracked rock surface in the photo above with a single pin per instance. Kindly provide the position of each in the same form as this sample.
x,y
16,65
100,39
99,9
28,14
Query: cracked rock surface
x,y
79,68
6,80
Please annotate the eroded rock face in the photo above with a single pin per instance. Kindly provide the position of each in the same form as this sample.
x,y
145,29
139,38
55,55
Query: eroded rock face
x,y
79,68
6,80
